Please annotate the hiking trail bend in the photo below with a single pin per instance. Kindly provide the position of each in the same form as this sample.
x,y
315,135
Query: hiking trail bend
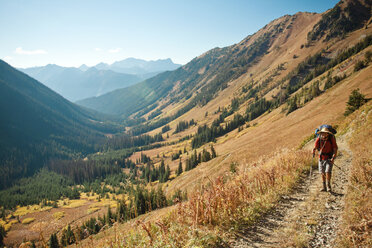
x,y
317,213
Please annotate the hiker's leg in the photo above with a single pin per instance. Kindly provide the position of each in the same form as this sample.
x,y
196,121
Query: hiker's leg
x,y
329,174
324,182
324,177
322,168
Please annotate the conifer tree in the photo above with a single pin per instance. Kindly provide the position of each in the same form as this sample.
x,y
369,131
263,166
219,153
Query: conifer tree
x,y
162,171
188,167
68,236
179,170
2,235
214,154
53,241
3,214
356,99
109,216
167,174
122,212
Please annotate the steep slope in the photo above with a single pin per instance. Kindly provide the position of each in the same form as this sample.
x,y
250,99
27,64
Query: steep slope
x,y
75,84
37,124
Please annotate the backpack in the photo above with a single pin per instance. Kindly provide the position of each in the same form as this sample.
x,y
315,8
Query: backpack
x,y
329,127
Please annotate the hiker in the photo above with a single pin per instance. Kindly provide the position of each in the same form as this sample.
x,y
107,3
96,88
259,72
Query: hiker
x,y
327,147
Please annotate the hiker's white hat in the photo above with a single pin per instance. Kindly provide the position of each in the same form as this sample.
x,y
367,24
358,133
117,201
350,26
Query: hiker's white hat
x,y
325,130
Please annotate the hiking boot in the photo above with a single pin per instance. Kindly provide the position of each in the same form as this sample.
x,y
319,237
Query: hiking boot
x,y
329,187
324,189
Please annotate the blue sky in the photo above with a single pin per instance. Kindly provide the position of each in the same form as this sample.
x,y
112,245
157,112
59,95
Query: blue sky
x,y
75,32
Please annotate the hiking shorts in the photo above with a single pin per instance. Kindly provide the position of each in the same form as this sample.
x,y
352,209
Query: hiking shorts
x,y
325,166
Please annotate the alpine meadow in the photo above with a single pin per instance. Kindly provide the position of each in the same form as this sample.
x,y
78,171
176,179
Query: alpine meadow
x,y
213,153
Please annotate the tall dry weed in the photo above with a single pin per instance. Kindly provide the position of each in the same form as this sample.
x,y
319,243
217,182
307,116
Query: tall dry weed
x,y
224,203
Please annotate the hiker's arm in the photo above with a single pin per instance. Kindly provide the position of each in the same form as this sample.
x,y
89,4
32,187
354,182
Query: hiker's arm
x,y
335,149
316,145
334,154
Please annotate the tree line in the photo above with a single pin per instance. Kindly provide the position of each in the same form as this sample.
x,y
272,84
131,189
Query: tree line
x,y
183,125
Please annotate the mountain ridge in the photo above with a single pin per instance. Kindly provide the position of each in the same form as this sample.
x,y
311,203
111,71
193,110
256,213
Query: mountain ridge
x,y
268,42
199,71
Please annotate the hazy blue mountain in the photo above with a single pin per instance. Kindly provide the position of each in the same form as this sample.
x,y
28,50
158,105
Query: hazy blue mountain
x,y
75,84
37,124
84,82
83,67
139,66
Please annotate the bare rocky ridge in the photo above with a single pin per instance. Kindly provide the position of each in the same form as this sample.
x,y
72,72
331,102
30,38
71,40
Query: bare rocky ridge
x,y
306,215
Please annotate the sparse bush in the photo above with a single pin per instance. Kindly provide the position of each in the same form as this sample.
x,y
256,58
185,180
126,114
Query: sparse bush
x,y
233,167
359,65
368,56
356,99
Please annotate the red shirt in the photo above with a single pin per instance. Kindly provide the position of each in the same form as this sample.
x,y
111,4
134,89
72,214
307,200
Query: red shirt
x,y
326,147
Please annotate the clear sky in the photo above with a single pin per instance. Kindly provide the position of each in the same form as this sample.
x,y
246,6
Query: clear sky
x,y
75,32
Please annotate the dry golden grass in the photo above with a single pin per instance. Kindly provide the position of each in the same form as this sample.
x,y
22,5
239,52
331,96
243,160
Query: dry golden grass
x,y
92,196
58,215
92,210
21,211
357,218
75,203
7,225
28,221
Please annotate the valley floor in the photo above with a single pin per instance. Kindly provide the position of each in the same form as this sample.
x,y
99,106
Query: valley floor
x,y
306,217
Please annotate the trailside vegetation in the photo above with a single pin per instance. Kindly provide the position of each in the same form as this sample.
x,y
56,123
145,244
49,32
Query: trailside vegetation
x,y
357,215
223,206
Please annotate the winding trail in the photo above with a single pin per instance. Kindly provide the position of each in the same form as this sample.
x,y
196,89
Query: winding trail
x,y
306,216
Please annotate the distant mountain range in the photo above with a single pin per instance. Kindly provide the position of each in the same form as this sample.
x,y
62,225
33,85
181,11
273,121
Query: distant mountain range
x,y
138,66
83,82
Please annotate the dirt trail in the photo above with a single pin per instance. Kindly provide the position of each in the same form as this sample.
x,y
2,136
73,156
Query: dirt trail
x,y
306,215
